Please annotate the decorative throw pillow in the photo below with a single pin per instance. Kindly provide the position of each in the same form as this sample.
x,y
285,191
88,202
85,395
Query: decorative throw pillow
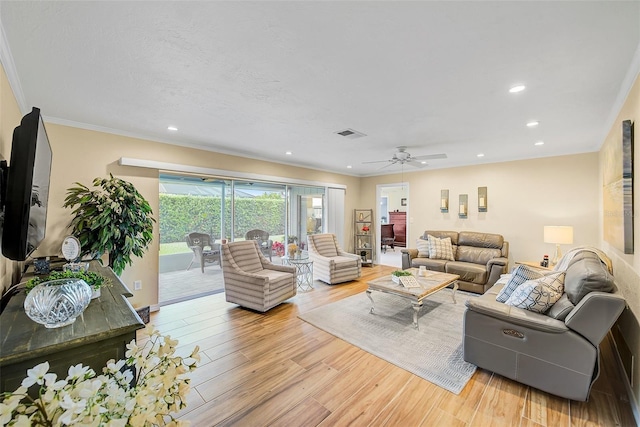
x,y
423,248
519,275
538,295
440,248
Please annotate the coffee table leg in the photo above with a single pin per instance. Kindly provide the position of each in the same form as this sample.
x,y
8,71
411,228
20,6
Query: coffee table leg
x,y
453,294
416,310
371,298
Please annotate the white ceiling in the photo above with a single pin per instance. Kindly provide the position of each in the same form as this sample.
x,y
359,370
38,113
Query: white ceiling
x,y
259,78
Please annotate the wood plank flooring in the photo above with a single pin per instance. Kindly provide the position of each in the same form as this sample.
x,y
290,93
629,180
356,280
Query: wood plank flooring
x,y
273,369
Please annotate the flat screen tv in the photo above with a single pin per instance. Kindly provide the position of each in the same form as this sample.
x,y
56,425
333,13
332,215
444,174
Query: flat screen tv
x,y
26,192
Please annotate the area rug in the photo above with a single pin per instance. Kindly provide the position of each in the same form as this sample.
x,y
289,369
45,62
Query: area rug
x,y
434,352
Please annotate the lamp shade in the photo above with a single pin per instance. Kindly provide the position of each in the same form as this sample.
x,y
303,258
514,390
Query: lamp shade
x,y
558,234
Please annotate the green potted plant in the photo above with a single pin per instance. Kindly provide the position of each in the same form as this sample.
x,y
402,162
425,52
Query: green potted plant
x,y
113,218
93,279
395,275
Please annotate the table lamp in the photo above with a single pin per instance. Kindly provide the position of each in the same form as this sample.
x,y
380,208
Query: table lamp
x,y
559,235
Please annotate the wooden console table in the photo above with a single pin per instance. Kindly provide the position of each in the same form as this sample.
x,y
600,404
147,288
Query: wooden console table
x,y
101,333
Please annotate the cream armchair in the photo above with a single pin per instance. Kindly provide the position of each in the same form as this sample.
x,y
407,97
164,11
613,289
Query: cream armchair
x,y
330,263
251,281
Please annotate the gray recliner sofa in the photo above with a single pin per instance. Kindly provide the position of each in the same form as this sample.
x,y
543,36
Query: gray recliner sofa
x,y
557,351
480,258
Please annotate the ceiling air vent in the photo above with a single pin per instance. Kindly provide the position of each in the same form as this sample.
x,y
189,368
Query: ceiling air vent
x,y
351,134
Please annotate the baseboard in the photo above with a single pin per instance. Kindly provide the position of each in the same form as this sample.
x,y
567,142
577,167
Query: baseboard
x,y
154,307
623,374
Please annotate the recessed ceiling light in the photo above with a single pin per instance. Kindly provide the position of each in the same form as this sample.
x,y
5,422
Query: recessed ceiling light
x,y
288,153
424,162
533,124
480,155
516,89
173,128
349,166
539,143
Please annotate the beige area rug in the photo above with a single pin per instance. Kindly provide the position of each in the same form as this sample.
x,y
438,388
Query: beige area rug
x,y
434,352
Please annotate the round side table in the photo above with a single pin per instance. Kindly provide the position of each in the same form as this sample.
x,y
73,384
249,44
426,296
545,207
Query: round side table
x,y
304,269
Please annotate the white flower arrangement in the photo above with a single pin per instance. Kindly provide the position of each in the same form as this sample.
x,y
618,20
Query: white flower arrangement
x,y
112,399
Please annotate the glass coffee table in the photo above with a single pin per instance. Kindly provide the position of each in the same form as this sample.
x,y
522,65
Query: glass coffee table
x,y
430,283
304,269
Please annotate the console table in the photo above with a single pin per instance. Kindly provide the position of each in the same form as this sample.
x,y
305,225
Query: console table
x,y
101,333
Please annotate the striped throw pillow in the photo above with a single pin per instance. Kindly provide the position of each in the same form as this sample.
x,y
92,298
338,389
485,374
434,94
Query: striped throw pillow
x,y
423,248
520,274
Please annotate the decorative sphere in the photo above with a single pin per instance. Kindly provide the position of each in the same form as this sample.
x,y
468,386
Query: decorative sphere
x,y
57,303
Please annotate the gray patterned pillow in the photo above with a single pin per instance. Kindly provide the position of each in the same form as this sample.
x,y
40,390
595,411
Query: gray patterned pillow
x,y
519,275
423,248
440,248
538,295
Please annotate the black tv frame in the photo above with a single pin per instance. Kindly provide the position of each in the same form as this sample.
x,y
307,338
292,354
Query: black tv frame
x,y
19,198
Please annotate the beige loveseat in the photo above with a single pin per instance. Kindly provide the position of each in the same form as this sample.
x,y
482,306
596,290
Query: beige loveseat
x,y
478,258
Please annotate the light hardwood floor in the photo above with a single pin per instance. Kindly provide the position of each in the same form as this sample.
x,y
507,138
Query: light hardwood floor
x,y
274,369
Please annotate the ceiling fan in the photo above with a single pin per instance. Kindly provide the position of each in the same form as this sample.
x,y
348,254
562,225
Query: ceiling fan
x,y
402,156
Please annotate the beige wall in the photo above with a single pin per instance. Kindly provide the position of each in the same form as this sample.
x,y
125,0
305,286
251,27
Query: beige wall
x,y
627,267
81,155
523,197
10,116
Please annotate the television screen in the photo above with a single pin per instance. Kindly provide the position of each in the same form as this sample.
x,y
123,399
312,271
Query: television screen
x,y
27,188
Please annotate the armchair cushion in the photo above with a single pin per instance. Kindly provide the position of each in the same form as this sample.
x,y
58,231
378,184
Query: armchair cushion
x,y
342,262
440,248
325,245
538,295
246,258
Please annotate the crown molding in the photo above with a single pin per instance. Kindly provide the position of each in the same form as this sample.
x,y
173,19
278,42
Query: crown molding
x,y
625,89
6,58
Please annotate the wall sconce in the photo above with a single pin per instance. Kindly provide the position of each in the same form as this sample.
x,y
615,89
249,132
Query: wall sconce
x,y
558,234
463,210
482,199
444,201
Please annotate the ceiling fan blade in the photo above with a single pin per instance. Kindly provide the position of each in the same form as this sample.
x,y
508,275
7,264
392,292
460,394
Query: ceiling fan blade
x,y
378,161
386,166
416,164
430,157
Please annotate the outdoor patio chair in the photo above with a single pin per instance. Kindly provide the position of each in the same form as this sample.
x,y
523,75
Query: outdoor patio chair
x,y
198,243
262,237
251,281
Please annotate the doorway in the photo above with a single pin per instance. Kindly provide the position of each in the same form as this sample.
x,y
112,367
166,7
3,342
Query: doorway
x,y
393,208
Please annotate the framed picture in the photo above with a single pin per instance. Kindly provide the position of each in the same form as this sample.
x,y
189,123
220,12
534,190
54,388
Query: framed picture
x,y
618,190
403,202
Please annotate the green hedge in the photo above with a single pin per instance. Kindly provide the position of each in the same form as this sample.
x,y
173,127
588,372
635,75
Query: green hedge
x,y
182,214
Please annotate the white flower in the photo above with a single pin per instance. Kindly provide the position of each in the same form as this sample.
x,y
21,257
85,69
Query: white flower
x,y
77,371
36,375
112,399
71,408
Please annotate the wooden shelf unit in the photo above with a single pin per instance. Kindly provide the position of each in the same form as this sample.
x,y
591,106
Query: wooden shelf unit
x,y
363,235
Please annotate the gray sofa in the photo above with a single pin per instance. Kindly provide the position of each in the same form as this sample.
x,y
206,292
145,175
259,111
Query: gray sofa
x,y
556,352
480,258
